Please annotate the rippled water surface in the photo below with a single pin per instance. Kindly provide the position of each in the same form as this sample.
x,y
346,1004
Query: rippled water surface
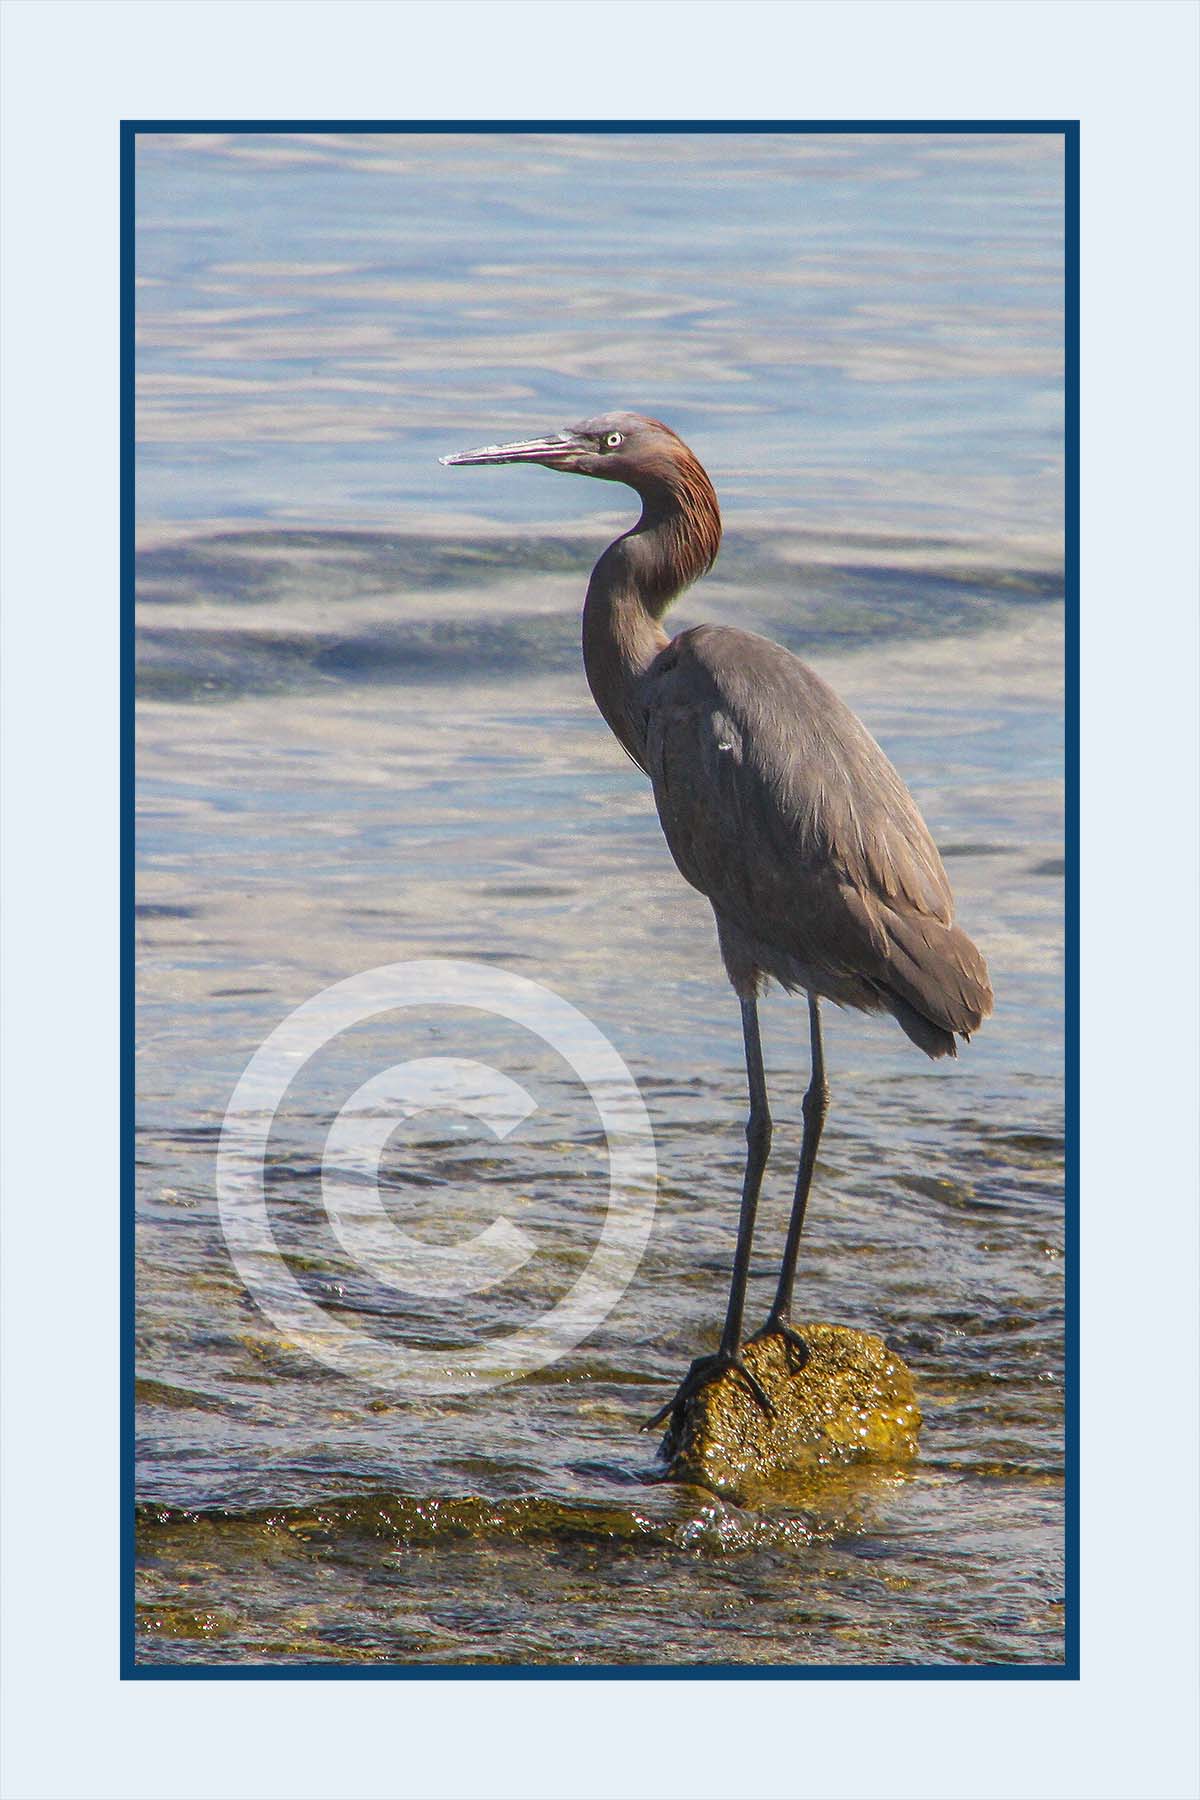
x,y
364,736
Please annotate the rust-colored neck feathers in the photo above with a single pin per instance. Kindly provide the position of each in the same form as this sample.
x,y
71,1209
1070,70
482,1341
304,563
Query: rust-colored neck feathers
x,y
679,533
673,543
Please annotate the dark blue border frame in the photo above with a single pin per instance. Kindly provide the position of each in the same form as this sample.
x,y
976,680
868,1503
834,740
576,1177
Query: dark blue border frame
x,y
1068,1670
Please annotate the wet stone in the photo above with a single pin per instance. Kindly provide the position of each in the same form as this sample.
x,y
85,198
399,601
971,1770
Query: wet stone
x,y
852,1401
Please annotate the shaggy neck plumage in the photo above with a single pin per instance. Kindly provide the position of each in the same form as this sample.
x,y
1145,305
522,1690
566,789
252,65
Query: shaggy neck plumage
x,y
675,541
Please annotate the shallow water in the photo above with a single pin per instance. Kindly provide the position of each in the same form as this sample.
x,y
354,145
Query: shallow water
x,y
364,736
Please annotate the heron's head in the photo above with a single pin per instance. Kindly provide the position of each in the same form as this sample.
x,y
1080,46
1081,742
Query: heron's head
x,y
616,446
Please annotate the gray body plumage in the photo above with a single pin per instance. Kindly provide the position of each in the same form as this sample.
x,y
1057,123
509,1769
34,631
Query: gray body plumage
x,y
780,807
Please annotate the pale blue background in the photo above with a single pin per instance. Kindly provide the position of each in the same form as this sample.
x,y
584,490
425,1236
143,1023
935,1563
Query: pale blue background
x,y
1140,148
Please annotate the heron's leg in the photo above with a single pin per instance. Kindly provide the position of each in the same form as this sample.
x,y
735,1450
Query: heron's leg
x,y
758,1148
815,1106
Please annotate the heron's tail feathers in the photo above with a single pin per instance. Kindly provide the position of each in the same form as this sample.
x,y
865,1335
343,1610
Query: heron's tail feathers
x,y
935,982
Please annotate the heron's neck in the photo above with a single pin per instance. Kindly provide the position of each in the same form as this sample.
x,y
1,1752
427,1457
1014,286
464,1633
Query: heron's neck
x,y
675,541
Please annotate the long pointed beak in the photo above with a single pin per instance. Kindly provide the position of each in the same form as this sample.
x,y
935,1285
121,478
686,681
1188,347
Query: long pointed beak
x,y
540,450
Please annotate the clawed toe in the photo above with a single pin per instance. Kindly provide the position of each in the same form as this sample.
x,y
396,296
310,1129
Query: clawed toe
x,y
703,1372
663,1413
790,1336
756,1387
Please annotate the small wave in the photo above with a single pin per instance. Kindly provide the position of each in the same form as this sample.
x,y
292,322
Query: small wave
x,y
404,1521
226,664
358,608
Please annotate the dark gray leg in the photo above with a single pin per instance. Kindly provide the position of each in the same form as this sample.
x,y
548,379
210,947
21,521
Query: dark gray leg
x,y
815,1107
758,1148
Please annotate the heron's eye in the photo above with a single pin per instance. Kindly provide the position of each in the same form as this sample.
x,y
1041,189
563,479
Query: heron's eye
x,y
612,440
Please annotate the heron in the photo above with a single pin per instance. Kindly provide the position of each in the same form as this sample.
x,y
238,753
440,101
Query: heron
x,y
776,803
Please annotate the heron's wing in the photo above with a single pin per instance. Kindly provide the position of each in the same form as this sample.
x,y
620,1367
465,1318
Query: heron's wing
x,y
765,780
779,805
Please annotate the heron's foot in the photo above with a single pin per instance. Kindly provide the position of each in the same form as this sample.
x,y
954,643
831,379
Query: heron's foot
x,y
777,1325
703,1372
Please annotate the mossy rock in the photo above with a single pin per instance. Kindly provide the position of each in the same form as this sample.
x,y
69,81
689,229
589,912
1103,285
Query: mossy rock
x,y
853,1400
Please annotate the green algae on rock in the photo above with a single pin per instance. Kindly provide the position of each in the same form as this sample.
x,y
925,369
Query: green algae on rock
x,y
852,1401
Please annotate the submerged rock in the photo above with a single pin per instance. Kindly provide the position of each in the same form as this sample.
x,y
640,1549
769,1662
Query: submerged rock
x,y
853,1400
